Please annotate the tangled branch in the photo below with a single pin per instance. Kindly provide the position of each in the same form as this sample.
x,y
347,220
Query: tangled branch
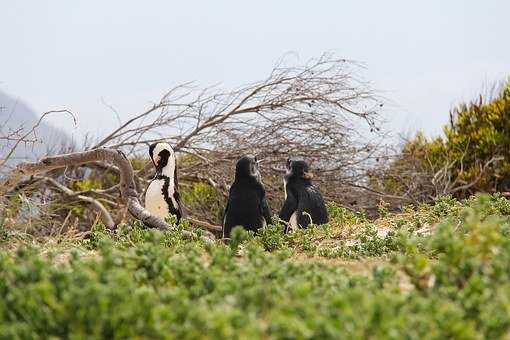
x,y
319,111
126,185
17,136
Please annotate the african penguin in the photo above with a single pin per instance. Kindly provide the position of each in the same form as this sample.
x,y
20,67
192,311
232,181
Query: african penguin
x,y
162,195
303,201
247,205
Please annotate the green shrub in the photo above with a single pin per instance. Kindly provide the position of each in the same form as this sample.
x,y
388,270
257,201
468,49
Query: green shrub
x,y
466,262
451,282
472,156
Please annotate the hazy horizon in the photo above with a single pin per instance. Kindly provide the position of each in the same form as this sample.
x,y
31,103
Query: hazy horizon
x,y
85,55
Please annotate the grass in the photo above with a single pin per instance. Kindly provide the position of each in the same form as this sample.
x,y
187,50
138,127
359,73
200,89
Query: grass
x,y
434,271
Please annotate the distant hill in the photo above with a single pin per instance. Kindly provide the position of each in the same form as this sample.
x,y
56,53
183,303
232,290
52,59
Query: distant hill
x,y
16,114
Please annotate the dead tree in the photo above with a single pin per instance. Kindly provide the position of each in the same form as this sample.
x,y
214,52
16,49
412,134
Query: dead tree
x,y
320,111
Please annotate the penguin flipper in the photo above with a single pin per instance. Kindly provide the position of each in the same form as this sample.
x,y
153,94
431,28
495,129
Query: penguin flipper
x,y
266,212
289,207
225,220
177,199
177,196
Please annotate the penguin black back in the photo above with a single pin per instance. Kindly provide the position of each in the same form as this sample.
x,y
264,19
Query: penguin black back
x,y
247,205
303,201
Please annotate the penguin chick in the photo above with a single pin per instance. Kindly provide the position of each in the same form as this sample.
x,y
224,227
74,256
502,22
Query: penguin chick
x,y
247,205
162,195
303,201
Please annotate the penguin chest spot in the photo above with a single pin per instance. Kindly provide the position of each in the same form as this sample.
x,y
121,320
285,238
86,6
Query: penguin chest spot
x,y
155,200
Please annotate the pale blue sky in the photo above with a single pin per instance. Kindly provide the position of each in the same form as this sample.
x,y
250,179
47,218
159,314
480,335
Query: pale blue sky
x,y
424,56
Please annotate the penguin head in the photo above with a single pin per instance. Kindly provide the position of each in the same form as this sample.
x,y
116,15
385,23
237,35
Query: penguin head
x,y
298,168
162,155
247,167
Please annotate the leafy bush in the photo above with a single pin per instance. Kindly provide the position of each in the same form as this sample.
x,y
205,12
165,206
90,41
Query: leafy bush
x,y
437,271
472,156
467,263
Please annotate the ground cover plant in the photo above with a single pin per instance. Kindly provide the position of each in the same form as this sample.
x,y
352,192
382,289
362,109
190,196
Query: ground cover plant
x,y
437,270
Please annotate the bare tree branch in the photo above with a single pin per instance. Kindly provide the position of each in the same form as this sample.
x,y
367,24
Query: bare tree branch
x,y
19,138
127,187
320,111
106,218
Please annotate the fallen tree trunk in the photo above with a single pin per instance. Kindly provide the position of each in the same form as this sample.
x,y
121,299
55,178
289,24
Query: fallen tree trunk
x,y
126,186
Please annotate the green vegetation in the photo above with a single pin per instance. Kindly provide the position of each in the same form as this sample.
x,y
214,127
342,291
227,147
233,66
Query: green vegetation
x,y
435,271
473,155
204,200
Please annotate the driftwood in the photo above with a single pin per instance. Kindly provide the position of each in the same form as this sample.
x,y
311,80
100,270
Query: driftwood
x,y
127,186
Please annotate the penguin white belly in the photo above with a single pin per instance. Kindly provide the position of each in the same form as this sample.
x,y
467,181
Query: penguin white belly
x,y
293,223
154,199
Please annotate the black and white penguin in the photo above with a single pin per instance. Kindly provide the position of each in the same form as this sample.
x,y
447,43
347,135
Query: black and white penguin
x,y
162,195
303,201
247,205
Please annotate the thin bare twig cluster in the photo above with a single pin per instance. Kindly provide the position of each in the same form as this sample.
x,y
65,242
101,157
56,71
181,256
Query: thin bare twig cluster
x,y
412,174
13,138
320,111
